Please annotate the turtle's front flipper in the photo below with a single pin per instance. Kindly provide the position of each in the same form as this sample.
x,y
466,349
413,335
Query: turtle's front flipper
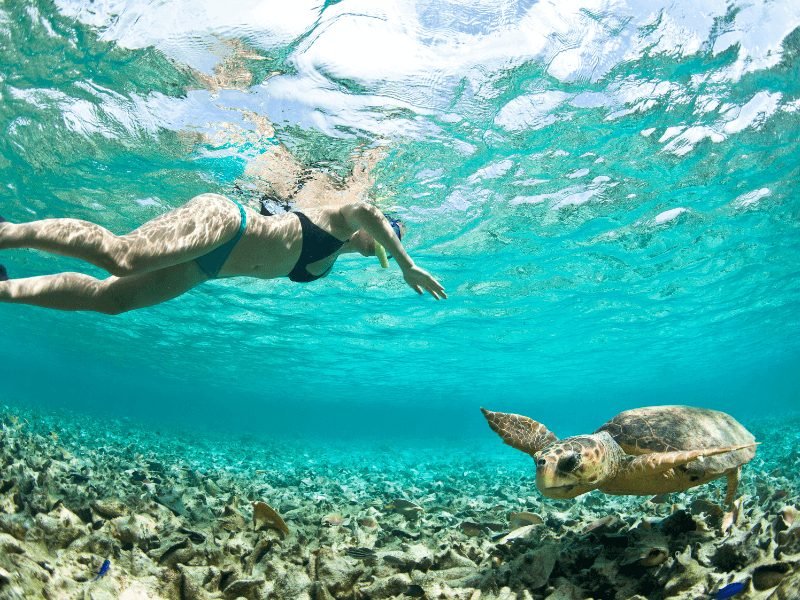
x,y
733,483
655,463
520,432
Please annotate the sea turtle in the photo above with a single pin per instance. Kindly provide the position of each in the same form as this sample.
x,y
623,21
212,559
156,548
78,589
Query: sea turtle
x,y
643,451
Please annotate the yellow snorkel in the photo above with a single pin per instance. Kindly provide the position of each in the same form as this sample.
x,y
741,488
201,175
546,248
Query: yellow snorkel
x,y
380,252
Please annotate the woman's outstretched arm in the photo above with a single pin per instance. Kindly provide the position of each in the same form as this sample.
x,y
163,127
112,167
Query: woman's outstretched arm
x,y
365,216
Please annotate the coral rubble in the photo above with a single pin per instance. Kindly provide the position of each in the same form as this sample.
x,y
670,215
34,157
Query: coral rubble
x,y
187,518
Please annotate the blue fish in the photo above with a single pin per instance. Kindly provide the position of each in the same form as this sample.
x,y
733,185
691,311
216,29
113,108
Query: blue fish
x,y
730,590
107,563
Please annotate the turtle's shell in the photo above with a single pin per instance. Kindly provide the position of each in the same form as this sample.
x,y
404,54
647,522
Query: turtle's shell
x,y
669,428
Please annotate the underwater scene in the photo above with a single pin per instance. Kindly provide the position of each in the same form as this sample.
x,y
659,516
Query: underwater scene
x,y
557,357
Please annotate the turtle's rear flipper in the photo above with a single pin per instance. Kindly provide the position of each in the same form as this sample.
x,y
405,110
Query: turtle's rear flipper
x,y
520,432
660,462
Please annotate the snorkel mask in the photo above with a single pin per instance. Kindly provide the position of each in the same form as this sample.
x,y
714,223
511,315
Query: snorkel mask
x,y
395,225
380,251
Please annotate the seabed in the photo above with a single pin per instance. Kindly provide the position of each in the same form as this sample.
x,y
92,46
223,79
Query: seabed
x,y
179,516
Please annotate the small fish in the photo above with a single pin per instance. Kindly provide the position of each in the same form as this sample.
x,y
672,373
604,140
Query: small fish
x,y
404,507
76,477
660,499
404,534
361,552
104,569
730,590
196,537
472,529
499,536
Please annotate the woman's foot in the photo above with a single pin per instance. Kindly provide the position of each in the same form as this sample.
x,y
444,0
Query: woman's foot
x,y
3,272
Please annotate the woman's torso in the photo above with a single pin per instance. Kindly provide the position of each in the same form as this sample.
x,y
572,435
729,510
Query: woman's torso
x,y
272,245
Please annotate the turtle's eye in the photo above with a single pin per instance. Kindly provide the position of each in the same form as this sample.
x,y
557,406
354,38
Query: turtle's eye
x,y
568,463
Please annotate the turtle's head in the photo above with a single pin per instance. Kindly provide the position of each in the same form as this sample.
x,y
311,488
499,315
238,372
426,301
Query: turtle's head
x,y
575,465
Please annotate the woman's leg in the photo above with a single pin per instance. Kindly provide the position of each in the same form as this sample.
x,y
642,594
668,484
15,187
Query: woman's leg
x,y
114,295
180,235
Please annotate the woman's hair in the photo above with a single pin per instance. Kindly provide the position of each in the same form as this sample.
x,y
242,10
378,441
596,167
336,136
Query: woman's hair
x,y
270,204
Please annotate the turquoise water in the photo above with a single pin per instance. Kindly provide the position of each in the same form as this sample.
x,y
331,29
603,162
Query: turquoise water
x,y
607,191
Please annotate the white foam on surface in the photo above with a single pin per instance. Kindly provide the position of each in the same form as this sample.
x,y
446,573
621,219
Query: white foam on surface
x,y
753,114
757,32
578,173
576,198
671,132
734,119
149,202
517,200
751,198
688,139
530,112
668,215
492,171
534,181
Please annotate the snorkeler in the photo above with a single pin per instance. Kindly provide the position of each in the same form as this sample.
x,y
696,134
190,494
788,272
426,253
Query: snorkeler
x,y
208,237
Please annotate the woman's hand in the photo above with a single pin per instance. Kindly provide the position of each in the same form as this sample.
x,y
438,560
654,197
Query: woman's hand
x,y
420,279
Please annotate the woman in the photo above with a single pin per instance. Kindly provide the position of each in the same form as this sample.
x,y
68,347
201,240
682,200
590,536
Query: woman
x,y
210,236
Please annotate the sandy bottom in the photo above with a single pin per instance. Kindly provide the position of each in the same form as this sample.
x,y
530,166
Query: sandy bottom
x,y
177,517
